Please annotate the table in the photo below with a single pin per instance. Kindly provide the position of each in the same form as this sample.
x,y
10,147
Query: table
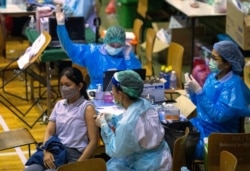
x,y
16,138
204,10
14,10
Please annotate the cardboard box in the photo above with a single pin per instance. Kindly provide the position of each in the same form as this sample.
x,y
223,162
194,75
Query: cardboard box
x,y
186,106
247,72
179,34
236,27
155,89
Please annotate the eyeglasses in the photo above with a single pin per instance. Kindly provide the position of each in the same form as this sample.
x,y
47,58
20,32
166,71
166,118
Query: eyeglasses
x,y
216,58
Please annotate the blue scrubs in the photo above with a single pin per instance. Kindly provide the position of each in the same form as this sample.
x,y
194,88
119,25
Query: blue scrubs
x,y
95,58
220,105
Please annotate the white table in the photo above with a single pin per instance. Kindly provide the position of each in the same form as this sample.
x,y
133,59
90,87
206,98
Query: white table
x,y
14,10
204,10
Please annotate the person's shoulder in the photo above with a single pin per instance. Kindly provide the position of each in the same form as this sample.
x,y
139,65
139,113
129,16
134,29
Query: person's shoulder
x,y
87,103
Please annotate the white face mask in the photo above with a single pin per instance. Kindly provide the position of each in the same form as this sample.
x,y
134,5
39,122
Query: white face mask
x,y
113,51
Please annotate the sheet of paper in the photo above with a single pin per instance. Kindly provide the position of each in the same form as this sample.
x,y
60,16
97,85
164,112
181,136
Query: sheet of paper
x,y
110,109
31,51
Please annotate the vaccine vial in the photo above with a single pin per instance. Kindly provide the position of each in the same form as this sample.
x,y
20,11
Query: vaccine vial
x,y
99,92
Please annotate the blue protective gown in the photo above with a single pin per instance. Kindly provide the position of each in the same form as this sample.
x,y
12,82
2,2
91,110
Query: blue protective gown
x,y
220,105
138,142
95,58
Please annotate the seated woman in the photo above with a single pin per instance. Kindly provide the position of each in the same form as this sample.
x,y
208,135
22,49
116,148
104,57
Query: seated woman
x,y
114,54
224,98
135,141
71,121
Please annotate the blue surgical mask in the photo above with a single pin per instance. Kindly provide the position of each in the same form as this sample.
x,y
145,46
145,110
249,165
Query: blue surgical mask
x,y
113,51
213,65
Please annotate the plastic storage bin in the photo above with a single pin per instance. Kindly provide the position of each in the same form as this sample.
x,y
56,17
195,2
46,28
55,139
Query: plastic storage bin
x,y
126,12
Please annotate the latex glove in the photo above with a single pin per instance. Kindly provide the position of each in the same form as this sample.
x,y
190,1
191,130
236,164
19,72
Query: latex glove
x,y
58,1
187,89
108,116
60,17
191,84
186,76
100,120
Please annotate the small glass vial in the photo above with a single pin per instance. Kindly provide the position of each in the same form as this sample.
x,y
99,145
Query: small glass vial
x,y
99,92
161,113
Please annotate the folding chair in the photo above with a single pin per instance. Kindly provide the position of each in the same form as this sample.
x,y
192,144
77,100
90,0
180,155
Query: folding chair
x,y
228,161
37,48
11,65
235,143
150,40
179,155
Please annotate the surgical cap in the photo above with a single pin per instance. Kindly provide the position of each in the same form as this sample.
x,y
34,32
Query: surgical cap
x,y
130,82
231,53
115,34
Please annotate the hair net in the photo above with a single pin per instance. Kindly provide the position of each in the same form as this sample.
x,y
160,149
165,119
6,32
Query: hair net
x,y
130,82
115,34
230,52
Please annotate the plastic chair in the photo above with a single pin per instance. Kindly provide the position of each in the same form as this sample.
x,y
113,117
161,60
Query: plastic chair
x,y
235,143
196,163
151,15
246,72
175,59
150,39
84,73
179,155
137,30
94,164
27,70
228,161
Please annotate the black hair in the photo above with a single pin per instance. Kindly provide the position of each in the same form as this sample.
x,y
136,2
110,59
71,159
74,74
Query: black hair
x,y
75,76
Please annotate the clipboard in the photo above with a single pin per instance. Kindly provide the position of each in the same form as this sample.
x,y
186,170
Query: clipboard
x,y
33,53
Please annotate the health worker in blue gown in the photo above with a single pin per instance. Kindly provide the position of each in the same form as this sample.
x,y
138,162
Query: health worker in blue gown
x,y
224,98
134,139
114,54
